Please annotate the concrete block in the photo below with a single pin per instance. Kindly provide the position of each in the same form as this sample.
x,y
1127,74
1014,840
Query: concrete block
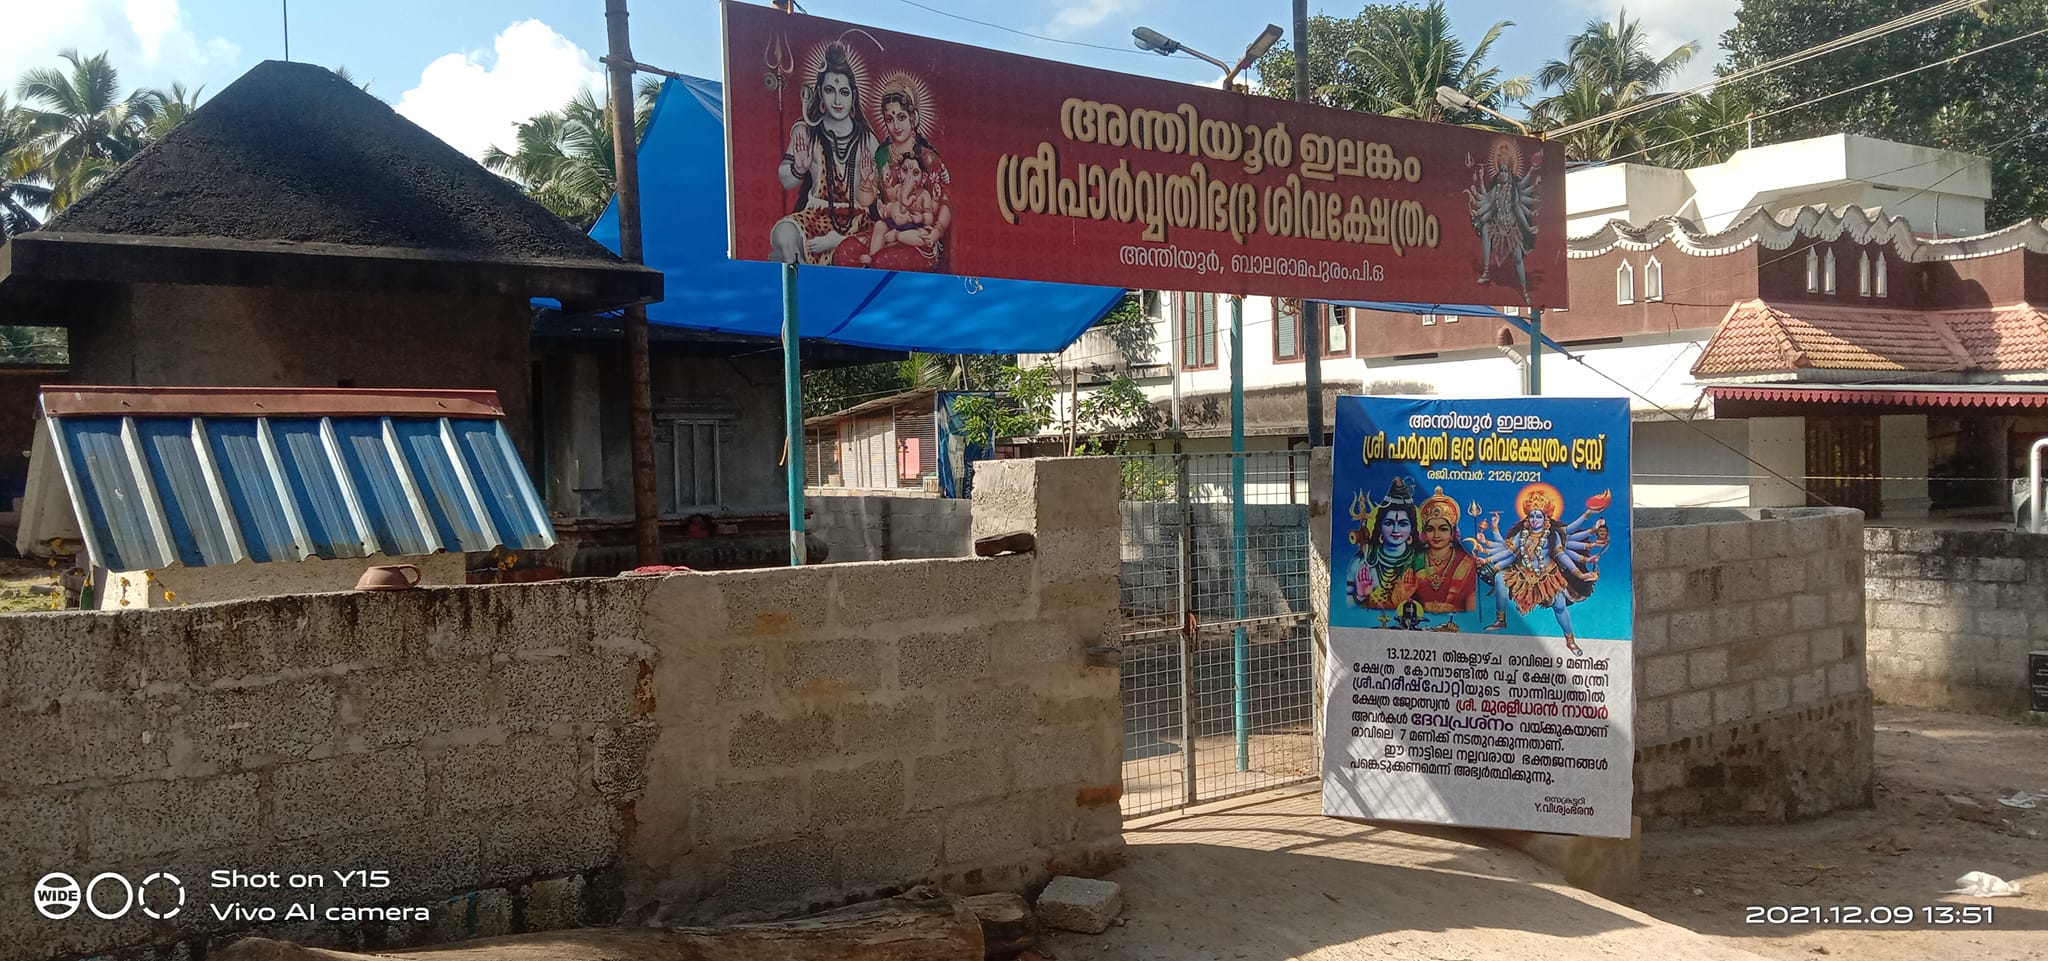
x,y
400,707
1998,570
834,665
1824,646
1649,547
1874,589
82,739
959,776
353,792
586,688
1733,705
1080,904
1772,694
1915,591
1652,634
1948,619
1810,688
619,760
1772,617
1729,542
1055,644
2003,623
131,821
1659,776
931,659
259,726
1751,659
1791,653
1693,629
477,914
742,673
52,657
1706,668
1664,675
984,712
1661,591
902,852
1687,544
1846,605
425,860
766,876
781,602
758,739
868,794
1846,678
39,830
1736,622
579,839
746,812
1653,721
555,904
1691,713
888,727
1808,612
1063,757
990,830
526,772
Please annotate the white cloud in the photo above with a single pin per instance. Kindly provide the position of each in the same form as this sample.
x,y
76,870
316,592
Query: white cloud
x,y
1076,16
474,100
148,40
1669,23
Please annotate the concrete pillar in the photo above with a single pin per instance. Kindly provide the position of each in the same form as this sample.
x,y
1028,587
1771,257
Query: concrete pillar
x,y
1902,453
1779,443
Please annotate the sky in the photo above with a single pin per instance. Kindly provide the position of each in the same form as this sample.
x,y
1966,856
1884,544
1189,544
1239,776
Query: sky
x,y
468,70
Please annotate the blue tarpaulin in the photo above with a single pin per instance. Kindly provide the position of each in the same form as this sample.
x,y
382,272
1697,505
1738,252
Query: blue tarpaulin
x,y
683,233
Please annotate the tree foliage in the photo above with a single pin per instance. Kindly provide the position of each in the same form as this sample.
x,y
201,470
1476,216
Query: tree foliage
x,y
565,158
71,126
1389,59
1335,78
1607,67
1988,104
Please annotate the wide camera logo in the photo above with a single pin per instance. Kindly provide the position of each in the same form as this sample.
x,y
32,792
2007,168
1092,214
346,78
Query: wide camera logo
x,y
109,896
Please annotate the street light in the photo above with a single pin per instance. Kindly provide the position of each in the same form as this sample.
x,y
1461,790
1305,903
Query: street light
x,y
1146,38
1457,100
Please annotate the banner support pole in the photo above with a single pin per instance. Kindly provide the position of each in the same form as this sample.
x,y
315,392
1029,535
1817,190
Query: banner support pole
x,y
1240,643
793,414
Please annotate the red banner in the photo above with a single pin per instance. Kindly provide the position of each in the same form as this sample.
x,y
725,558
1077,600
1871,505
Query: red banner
x,y
865,148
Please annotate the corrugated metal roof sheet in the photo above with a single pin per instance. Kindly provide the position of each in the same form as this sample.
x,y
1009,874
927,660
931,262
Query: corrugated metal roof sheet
x,y
151,492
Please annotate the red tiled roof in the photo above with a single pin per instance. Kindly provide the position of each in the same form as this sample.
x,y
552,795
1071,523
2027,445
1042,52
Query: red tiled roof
x,y
1772,338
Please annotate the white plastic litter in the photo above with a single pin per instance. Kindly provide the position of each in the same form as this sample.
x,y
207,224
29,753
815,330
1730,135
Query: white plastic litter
x,y
2022,800
1977,884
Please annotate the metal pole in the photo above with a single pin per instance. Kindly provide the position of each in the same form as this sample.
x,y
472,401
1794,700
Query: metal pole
x,y
1189,796
1535,351
793,414
1311,313
1240,643
640,390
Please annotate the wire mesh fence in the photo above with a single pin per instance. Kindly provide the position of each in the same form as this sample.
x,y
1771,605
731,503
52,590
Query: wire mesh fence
x,y
1218,675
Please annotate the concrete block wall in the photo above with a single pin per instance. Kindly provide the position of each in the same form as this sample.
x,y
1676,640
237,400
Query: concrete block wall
x,y
1751,697
535,756
1953,614
866,526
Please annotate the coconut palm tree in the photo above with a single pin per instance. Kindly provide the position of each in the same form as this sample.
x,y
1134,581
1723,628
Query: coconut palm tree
x,y
1607,67
1408,52
174,105
564,158
24,190
81,122
1703,129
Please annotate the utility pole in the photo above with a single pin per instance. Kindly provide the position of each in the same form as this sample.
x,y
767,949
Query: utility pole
x,y
1311,316
626,151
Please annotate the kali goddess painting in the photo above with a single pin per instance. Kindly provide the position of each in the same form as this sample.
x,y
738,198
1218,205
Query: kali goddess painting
x,y
1504,200
1538,563
1448,582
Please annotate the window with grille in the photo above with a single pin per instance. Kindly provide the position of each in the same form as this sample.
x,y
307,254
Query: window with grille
x,y
1197,331
1336,331
1286,329
692,462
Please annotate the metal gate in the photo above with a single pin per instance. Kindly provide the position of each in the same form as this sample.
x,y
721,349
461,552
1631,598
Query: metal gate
x,y
1218,665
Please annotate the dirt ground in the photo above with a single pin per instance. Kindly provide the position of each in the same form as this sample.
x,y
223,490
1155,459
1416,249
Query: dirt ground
x,y
18,576
1271,879
1905,852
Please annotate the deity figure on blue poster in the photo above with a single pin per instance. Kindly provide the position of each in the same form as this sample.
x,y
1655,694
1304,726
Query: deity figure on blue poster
x,y
1537,563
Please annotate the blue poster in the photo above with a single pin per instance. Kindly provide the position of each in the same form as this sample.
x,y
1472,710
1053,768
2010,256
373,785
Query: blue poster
x,y
1481,613
958,451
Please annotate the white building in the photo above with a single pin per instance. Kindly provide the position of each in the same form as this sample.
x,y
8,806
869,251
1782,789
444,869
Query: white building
x,y
1648,293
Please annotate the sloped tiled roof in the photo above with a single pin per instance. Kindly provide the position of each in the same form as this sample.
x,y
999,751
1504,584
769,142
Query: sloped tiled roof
x,y
1758,337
